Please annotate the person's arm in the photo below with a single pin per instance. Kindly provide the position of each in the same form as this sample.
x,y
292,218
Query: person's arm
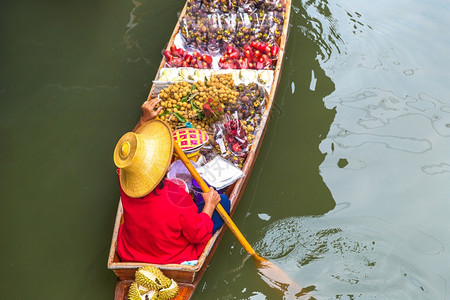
x,y
148,112
212,198
197,227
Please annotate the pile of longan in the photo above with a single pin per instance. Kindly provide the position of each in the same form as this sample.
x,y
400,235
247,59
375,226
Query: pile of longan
x,y
183,102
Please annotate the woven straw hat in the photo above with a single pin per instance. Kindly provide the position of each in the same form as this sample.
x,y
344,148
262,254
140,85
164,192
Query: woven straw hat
x,y
143,157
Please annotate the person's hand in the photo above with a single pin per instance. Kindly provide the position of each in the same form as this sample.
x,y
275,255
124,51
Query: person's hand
x,y
212,198
148,110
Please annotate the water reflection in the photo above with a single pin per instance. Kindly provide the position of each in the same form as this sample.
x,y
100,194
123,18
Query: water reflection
x,y
374,108
322,23
392,130
355,258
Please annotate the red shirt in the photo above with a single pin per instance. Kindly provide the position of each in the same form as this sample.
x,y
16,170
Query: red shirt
x,y
162,227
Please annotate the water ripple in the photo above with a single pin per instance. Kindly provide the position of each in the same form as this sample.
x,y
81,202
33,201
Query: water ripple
x,y
360,257
377,108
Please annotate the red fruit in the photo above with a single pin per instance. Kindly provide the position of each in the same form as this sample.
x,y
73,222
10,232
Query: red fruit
x,y
168,55
266,61
204,65
256,45
251,65
199,65
248,47
243,63
260,64
185,64
248,54
207,59
178,52
274,51
253,44
222,59
262,47
257,54
226,65
195,65
197,55
234,55
176,62
207,109
230,49
236,147
188,58
267,49
173,49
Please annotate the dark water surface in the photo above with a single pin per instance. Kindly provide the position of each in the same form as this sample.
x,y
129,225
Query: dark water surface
x,y
350,193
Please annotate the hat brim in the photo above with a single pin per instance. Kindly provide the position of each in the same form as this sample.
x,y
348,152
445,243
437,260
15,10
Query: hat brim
x,y
151,160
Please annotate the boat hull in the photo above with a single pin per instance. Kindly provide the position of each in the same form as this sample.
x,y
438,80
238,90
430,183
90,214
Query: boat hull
x,y
186,276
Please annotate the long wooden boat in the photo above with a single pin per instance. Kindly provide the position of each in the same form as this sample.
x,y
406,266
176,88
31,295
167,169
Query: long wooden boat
x,y
188,276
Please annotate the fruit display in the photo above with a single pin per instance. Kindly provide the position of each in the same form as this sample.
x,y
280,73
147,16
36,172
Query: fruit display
x,y
191,75
249,107
201,103
211,25
231,141
152,284
183,74
214,80
178,57
255,55
197,7
237,130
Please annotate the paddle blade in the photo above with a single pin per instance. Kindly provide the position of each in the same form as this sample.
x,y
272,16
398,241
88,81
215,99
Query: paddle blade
x,y
278,279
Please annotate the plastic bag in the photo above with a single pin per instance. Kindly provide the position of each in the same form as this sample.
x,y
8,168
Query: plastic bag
x,y
230,140
229,6
188,27
193,8
246,6
228,22
211,6
201,34
244,30
220,173
215,33
249,107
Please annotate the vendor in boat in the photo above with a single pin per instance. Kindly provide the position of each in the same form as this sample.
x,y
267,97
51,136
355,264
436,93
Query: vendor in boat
x,y
162,224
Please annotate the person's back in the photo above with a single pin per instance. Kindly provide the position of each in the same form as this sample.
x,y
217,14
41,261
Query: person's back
x,y
163,227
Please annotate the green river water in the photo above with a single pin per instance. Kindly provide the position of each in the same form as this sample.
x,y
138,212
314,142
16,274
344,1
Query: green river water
x,y
350,192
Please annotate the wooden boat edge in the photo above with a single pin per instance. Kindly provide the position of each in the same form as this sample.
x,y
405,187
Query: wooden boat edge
x,y
187,289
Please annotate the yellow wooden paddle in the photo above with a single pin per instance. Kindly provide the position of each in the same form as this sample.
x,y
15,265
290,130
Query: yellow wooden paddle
x,y
269,272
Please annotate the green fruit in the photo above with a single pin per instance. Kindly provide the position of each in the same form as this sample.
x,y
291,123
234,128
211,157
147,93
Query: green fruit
x,y
133,293
142,289
152,278
168,292
151,295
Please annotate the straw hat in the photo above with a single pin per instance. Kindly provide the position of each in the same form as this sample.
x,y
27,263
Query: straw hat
x,y
144,157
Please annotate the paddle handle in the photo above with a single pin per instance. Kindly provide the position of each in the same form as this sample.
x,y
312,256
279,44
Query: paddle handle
x,y
226,218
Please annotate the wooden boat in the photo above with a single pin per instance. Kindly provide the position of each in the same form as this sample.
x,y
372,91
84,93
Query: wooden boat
x,y
188,276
